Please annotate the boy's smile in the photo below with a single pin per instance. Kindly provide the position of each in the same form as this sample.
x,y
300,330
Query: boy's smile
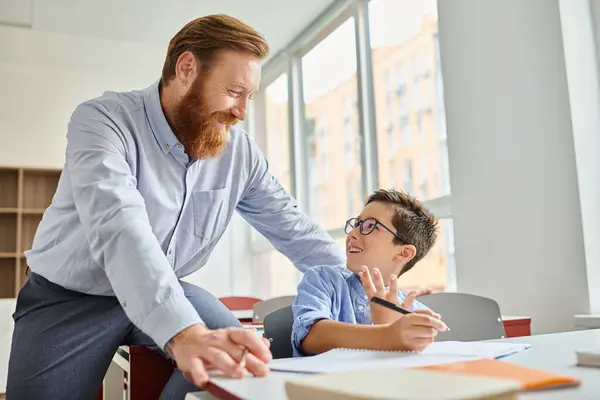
x,y
377,249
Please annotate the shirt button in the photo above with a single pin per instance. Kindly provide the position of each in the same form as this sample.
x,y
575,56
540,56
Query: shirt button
x,y
124,303
366,297
361,308
179,145
166,146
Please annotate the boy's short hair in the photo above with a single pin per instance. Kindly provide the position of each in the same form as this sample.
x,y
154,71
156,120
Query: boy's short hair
x,y
413,222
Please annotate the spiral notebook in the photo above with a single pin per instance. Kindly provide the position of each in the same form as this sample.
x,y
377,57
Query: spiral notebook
x,y
339,360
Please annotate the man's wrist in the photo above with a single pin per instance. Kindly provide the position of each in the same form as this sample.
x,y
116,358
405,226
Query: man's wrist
x,y
171,343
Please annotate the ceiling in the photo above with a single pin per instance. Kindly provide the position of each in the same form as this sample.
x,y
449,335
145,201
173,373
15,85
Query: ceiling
x,y
156,21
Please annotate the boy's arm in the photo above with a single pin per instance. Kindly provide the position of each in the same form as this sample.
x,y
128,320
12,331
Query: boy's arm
x,y
326,335
315,331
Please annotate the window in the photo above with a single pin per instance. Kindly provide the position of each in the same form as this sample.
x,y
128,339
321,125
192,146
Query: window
x,y
277,130
404,38
420,130
405,131
350,193
424,177
349,138
391,148
400,79
407,172
388,91
329,89
393,175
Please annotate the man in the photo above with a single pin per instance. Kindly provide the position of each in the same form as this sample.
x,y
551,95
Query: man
x,y
151,180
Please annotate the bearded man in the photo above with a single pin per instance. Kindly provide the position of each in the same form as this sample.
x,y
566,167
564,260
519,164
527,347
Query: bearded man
x,y
150,182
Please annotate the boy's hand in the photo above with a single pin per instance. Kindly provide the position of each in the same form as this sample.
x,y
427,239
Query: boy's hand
x,y
415,331
374,286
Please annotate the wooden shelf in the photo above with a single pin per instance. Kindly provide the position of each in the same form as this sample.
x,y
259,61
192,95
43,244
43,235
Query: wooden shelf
x,y
33,211
8,230
29,226
25,195
9,179
39,188
9,255
8,272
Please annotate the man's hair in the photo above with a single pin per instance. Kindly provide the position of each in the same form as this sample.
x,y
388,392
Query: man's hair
x,y
205,36
413,222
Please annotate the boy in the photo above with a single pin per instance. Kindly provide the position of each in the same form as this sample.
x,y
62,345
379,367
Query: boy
x,y
332,309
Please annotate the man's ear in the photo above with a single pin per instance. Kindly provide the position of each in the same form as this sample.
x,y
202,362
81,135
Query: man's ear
x,y
406,253
186,68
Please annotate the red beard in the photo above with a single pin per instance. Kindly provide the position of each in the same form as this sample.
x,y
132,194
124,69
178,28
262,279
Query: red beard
x,y
198,130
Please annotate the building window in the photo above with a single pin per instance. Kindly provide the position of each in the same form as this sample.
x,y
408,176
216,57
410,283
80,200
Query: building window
x,y
393,175
350,193
330,92
407,172
424,177
277,135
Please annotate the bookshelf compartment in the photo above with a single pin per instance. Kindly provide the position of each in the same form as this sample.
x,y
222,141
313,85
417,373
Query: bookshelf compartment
x,y
7,278
9,185
28,229
39,187
8,233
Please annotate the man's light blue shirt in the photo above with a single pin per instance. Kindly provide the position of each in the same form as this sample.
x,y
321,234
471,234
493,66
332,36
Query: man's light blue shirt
x,y
132,213
333,293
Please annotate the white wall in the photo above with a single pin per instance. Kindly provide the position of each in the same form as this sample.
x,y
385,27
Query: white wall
x,y
584,96
45,75
515,194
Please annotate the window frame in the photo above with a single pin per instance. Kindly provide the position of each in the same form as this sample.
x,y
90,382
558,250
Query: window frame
x,y
289,61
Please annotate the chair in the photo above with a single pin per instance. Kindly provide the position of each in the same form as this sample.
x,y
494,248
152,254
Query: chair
x,y
138,372
468,316
235,303
261,309
278,330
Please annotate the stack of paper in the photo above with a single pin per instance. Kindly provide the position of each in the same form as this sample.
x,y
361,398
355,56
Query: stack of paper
x,y
338,360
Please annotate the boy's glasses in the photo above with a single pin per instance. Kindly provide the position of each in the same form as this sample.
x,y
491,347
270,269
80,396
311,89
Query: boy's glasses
x,y
367,226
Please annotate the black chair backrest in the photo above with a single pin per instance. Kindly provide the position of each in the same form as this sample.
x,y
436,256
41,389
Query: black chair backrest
x,y
278,330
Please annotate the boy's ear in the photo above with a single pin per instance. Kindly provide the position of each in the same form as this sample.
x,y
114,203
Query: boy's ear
x,y
407,252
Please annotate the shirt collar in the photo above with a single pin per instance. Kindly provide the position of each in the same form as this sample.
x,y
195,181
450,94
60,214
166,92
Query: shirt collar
x,y
163,133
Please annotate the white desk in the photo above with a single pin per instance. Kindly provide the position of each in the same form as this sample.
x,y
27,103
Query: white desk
x,y
554,353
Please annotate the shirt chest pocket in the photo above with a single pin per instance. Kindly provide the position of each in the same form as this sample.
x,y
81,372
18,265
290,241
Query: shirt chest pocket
x,y
209,212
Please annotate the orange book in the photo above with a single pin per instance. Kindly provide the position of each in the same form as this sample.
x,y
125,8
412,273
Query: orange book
x,y
529,378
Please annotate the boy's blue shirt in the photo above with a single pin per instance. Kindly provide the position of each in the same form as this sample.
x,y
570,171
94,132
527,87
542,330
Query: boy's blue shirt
x,y
333,293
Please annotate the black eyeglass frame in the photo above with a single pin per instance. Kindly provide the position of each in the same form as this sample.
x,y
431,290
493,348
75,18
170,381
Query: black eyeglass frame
x,y
354,222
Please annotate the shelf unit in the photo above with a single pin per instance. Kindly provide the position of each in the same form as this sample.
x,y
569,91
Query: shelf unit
x,y
24,195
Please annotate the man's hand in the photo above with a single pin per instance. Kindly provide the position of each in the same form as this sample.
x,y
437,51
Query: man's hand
x,y
233,351
415,331
374,286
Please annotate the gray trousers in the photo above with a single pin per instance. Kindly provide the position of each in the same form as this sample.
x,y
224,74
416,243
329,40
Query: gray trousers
x,y
64,341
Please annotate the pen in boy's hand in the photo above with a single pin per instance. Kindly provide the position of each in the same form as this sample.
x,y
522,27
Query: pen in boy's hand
x,y
392,306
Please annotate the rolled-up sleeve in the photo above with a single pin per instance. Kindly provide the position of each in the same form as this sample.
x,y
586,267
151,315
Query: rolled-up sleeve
x,y
313,303
117,227
268,207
